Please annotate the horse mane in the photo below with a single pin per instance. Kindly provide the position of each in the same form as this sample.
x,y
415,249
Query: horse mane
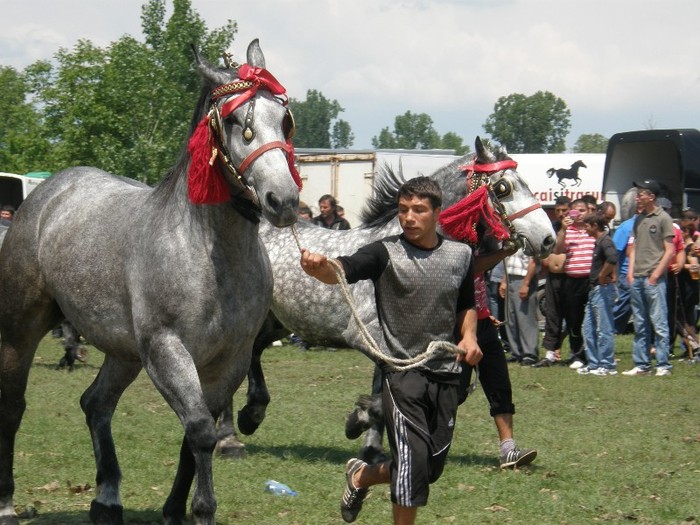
x,y
381,207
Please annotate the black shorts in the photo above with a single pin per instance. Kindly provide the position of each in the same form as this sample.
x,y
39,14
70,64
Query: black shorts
x,y
420,416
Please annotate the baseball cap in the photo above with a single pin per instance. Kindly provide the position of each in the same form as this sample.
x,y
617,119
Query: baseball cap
x,y
650,185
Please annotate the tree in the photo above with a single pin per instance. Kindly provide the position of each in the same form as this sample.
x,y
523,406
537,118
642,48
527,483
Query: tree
x,y
416,131
411,131
534,124
591,143
23,145
314,117
127,108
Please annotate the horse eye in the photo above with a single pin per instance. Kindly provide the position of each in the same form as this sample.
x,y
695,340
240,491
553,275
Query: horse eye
x,y
288,125
502,188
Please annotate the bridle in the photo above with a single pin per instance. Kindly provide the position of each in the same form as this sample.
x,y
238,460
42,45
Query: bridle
x,y
225,99
479,175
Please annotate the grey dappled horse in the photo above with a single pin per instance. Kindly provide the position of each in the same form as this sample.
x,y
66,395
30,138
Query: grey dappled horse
x,y
319,314
154,280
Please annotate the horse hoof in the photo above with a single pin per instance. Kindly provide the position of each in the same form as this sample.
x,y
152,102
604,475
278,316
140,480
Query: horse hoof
x,y
354,425
230,447
106,515
246,423
373,456
9,520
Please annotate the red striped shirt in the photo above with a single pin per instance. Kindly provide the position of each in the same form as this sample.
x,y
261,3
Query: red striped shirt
x,y
579,252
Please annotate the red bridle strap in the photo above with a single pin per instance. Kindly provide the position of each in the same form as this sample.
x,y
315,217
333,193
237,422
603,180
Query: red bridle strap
x,y
490,168
262,149
523,212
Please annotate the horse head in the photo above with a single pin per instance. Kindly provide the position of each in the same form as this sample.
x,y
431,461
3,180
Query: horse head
x,y
241,148
578,164
517,208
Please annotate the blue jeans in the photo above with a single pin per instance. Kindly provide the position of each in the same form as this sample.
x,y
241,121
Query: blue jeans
x,y
598,328
622,310
650,317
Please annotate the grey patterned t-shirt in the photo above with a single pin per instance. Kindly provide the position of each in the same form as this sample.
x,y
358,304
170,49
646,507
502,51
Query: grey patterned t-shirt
x,y
419,294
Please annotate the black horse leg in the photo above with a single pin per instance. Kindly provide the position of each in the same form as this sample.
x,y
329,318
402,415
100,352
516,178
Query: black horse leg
x,y
71,343
98,403
227,442
253,413
372,450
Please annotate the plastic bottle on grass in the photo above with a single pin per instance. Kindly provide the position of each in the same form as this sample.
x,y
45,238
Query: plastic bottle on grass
x,y
278,489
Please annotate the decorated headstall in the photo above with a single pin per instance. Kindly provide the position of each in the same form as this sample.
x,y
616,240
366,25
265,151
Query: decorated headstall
x,y
460,220
207,147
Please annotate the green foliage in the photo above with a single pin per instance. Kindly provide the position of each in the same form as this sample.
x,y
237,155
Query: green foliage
x,y
23,145
125,108
591,143
315,118
611,449
416,131
534,124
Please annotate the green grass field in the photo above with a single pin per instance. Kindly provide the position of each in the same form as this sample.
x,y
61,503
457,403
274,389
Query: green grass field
x,y
611,449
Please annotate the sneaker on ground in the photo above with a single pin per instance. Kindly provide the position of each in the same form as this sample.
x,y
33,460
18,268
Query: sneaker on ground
x,y
528,361
610,371
599,371
663,372
584,370
544,363
353,498
517,458
636,371
575,365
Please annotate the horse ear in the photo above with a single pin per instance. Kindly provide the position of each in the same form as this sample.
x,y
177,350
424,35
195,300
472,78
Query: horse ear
x,y
209,73
483,154
255,55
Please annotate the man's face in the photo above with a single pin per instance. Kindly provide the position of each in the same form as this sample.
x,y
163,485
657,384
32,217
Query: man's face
x,y
6,215
591,208
419,221
591,229
609,214
644,198
581,208
560,210
326,208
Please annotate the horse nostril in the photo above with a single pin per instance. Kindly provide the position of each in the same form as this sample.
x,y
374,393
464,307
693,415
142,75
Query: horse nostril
x,y
548,241
272,201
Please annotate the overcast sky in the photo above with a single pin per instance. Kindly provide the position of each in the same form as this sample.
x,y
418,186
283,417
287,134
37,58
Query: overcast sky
x,y
619,65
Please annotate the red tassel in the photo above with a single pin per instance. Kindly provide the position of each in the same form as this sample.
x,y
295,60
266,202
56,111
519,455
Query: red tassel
x,y
205,183
459,220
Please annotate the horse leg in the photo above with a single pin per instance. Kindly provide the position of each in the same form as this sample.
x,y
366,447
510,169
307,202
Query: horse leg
x,y
227,442
71,343
253,413
98,403
372,450
173,372
20,339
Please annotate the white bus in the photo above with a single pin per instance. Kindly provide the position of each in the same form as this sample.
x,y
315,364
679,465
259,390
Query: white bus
x,y
15,188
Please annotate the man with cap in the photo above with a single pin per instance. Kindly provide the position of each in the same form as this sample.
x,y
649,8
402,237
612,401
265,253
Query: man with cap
x,y
651,251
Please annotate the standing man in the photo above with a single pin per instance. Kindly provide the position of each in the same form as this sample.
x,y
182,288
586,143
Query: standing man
x,y
520,280
329,217
573,241
598,326
650,252
424,291
554,298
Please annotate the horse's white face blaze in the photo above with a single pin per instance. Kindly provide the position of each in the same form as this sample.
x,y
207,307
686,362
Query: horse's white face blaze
x,y
269,173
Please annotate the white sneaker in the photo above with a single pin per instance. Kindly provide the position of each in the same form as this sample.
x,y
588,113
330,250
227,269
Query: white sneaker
x,y
576,365
610,372
663,372
636,371
584,370
597,371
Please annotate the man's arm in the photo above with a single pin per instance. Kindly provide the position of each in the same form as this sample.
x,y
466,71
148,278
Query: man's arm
x,y
560,246
466,322
663,263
